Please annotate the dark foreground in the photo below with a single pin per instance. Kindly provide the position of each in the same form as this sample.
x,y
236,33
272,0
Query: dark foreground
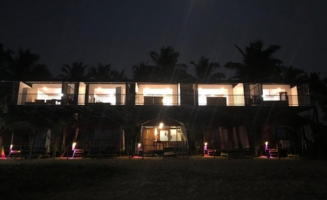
x,y
194,178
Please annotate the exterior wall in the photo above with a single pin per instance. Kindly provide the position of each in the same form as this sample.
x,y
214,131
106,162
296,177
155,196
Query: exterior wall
x,y
206,91
168,93
115,94
272,93
238,95
40,92
81,93
21,97
293,98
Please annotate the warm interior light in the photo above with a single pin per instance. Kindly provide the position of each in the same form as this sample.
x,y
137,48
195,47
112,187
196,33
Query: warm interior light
x,y
161,125
266,143
205,144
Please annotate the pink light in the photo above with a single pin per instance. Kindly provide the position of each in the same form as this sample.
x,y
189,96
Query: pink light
x,y
73,146
10,147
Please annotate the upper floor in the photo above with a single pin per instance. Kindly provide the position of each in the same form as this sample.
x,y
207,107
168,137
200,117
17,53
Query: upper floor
x,y
140,94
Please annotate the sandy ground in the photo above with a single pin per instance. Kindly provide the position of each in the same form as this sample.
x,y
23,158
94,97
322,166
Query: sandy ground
x,y
197,178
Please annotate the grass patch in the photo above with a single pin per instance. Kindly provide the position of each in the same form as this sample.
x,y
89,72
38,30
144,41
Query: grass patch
x,y
31,178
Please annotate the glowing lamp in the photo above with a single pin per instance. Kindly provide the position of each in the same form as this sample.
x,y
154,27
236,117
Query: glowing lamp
x,y
11,147
139,145
205,143
266,143
73,146
161,125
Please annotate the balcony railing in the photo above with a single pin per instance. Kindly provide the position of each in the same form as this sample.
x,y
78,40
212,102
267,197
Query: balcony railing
x,y
164,100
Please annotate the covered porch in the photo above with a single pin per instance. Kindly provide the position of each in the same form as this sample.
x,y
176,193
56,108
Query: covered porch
x,y
97,136
160,133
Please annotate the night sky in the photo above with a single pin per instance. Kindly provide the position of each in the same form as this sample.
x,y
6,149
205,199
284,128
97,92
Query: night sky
x,y
123,32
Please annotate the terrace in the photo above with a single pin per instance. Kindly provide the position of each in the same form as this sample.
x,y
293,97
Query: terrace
x,y
226,94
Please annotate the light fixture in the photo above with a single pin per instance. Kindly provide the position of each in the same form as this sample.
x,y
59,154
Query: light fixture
x,y
161,125
73,146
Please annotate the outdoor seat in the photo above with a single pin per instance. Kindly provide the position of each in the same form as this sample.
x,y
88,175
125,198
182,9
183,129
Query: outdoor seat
x,y
19,152
168,152
182,152
14,153
78,153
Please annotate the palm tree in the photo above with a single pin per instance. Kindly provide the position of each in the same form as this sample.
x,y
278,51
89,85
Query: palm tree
x,y
145,72
204,70
40,72
6,61
75,72
292,75
23,65
100,73
258,64
166,62
118,76
317,88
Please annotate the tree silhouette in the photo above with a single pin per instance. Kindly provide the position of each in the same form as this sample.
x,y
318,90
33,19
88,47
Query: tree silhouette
x,y
145,72
258,64
75,72
118,75
204,70
23,67
100,73
6,61
292,75
40,72
166,62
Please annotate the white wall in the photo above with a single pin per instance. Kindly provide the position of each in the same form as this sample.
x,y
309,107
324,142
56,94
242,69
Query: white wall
x,y
293,98
271,92
169,92
20,100
81,93
238,92
214,90
39,91
107,93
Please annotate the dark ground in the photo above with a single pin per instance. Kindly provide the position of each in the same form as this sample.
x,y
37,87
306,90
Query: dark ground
x,y
155,178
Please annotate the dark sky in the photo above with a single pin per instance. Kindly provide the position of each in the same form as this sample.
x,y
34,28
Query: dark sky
x,y
123,32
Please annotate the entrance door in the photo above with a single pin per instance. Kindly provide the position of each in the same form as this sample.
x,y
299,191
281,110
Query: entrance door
x,y
164,135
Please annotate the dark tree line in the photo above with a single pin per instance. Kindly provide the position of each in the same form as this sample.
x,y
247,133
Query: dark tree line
x,y
259,65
